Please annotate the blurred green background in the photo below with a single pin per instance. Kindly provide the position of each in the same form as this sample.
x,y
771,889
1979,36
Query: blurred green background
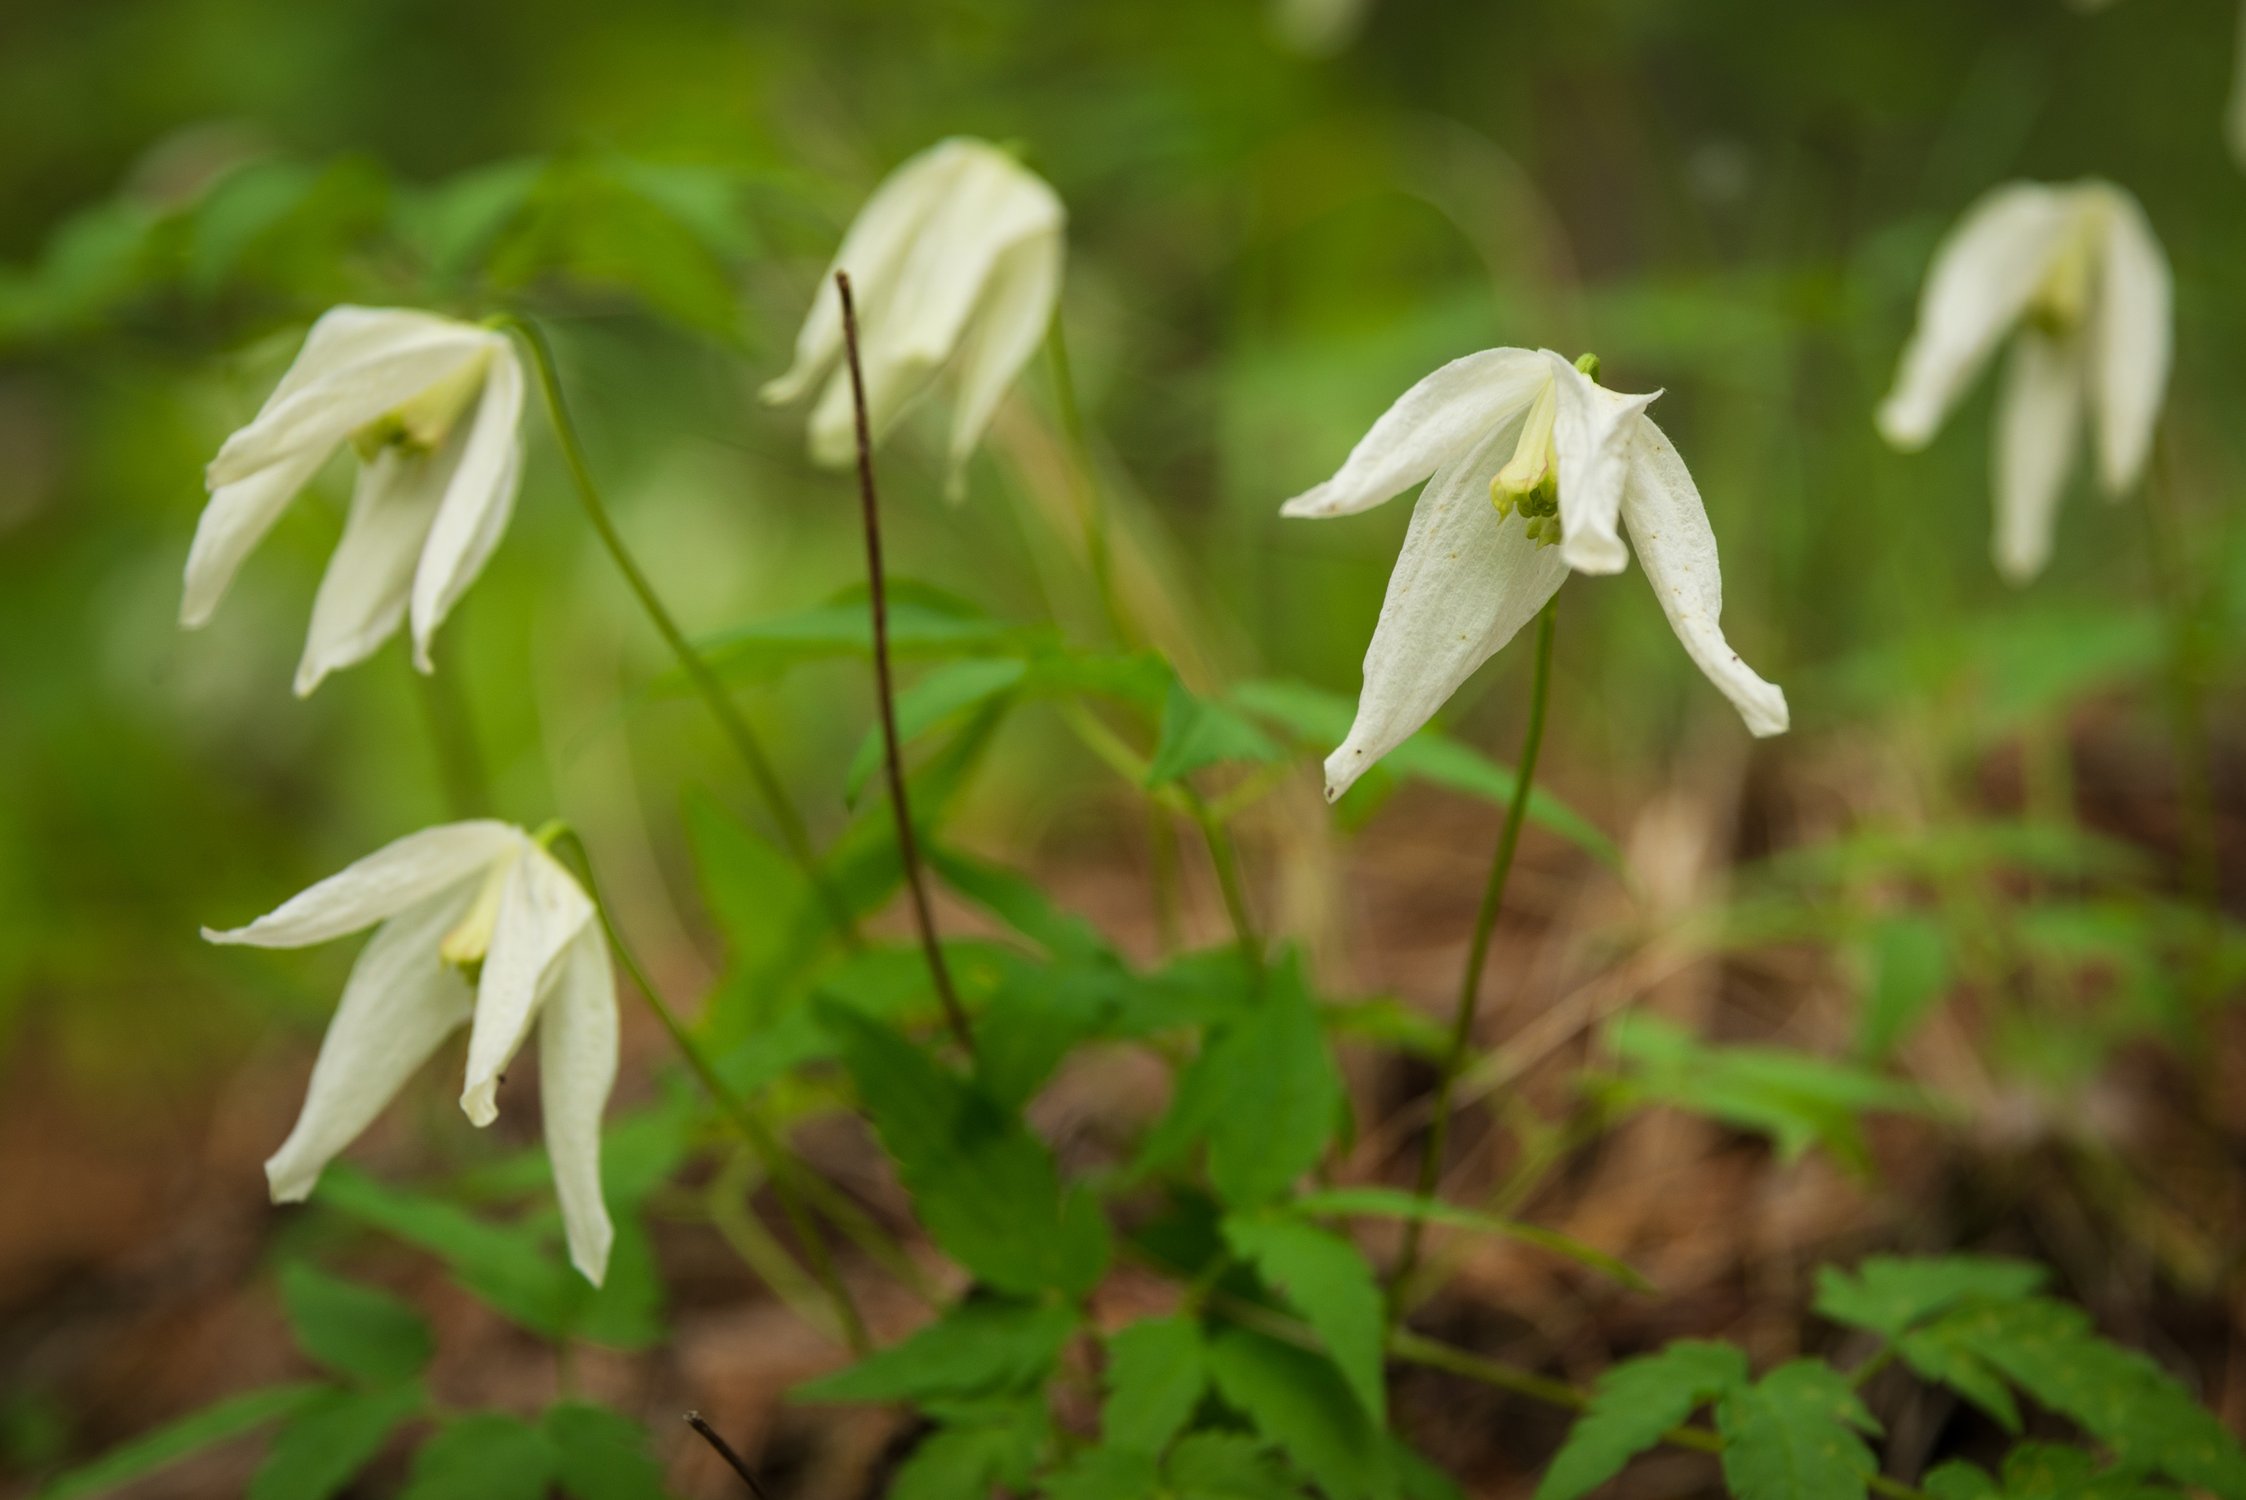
x,y
1733,200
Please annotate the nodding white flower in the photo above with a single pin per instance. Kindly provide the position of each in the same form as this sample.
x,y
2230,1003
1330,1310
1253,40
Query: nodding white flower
x,y
1533,465
2075,275
955,260
434,409
479,926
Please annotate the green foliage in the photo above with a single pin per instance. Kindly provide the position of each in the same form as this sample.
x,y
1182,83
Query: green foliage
x,y
2041,1471
1634,1403
1324,1278
1156,1373
1197,733
1397,1204
354,1330
979,1348
330,1439
484,1456
1304,1406
979,1449
983,1184
1908,960
1794,1435
1796,1100
189,1435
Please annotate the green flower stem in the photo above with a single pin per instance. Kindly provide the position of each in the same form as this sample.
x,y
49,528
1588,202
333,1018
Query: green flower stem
x,y
793,834
893,756
1099,553
452,732
1477,952
1224,857
779,1164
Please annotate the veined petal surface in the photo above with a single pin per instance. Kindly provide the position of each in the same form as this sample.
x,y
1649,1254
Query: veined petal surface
x,y
1466,581
363,594
576,1069
1430,427
481,480
383,884
1591,440
542,910
1676,547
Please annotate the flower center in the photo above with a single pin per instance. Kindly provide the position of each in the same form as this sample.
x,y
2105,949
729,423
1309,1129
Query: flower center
x,y
466,946
1530,481
2062,298
422,422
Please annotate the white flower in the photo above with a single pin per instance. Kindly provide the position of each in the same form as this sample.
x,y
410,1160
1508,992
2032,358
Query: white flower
x,y
434,408
478,924
955,260
1564,461
2076,274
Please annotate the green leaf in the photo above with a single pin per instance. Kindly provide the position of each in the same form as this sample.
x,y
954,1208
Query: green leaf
x,y
1304,1406
923,623
1197,734
1394,1203
945,693
977,1348
1227,1466
354,1330
330,1440
1324,1278
985,1449
1889,1294
1263,1093
986,1188
2041,1471
483,1456
1797,1100
1107,1474
1320,720
192,1433
1020,903
1155,1377
2119,1397
1940,1355
1633,1404
1908,959
601,1455
1793,1435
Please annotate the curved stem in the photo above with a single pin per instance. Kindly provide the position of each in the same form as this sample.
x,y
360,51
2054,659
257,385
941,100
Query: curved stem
x,y
793,834
893,760
780,1167
1477,951
1224,856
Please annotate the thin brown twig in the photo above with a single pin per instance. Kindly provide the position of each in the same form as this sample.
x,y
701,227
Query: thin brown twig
x,y
893,757
725,1451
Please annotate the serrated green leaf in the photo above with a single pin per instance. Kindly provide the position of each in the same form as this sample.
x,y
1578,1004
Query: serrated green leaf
x,y
1321,720
330,1440
1889,1294
1227,1466
191,1434
985,1449
1325,1279
1397,1204
1939,1355
1263,1093
1633,1404
2041,1471
601,1454
986,1188
977,1348
1197,734
1303,1406
1155,1377
354,1330
947,691
1793,1435
483,1456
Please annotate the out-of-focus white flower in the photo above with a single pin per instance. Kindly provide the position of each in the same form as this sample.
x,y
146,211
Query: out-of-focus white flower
x,y
479,926
1506,432
434,409
955,261
2075,273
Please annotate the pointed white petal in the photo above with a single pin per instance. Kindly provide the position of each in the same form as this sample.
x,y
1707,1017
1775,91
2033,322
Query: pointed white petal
x,y
876,244
1430,427
363,594
2130,341
383,884
541,912
576,1068
1008,326
1982,279
400,1003
235,521
1677,549
2037,418
479,497
323,410
1465,583
1591,442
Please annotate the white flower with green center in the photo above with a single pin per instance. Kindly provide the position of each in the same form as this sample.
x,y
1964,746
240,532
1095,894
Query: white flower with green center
x,y
955,264
2074,276
434,409
1531,467
479,926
